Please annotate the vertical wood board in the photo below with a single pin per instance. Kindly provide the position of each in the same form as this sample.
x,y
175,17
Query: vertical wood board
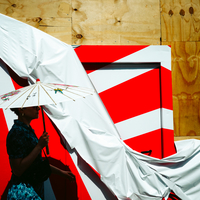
x,y
180,20
186,87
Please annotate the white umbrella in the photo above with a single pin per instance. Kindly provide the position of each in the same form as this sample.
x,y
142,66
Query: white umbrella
x,y
40,94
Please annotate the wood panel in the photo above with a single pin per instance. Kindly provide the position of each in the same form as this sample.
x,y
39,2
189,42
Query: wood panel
x,y
116,22
186,87
59,28
186,138
180,20
35,8
52,17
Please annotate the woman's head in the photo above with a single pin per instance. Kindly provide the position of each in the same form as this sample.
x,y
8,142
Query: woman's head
x,y
27,114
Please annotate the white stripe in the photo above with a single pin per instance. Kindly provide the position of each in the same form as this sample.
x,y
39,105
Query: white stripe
x,y
108,77
93,189
139,125
151,54
167,119
145,123
7,84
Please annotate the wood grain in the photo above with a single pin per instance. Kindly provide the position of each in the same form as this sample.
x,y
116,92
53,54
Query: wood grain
x,y
186,87
180,20
52,17
116,22
186,138
59,28
35,8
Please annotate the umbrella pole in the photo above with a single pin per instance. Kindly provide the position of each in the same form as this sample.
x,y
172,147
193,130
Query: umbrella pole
x,y
47,147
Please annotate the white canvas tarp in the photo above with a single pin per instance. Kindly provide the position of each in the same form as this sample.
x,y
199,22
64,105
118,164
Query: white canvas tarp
x,y
87,127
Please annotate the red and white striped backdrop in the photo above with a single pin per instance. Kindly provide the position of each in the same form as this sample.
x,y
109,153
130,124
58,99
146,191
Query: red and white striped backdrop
x,y
138,99
134,83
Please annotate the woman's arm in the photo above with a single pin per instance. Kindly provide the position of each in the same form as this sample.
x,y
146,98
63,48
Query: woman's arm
x,y
63,173
19,165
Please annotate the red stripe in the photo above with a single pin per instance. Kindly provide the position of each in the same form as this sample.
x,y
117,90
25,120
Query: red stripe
x,y
145,142
133,97
166,88
168,143
98,53
5,166
153,141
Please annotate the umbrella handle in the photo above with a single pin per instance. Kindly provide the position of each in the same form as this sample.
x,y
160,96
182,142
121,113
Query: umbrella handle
x,y
47,147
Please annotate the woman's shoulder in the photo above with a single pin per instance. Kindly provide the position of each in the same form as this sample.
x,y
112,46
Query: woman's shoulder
x,y
15,130
14,137
19,141
16,133
19,127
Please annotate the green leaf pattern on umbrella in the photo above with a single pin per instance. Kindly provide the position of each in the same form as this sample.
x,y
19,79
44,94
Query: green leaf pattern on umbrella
x,y
58,90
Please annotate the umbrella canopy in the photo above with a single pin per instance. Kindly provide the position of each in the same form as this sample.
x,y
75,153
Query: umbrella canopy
x,y
42,94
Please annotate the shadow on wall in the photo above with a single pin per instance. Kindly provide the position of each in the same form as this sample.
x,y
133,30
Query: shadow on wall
x,y
62,188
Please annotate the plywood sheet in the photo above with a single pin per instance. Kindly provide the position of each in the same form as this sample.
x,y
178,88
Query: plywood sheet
x,y
186,87
59,28
180,20
116,22
36,8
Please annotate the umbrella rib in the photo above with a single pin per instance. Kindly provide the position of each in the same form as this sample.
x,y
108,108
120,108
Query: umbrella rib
x,y
61,93
48,94
28,95
13,95
83,90
5,101
19,97
75,93
76,89
68,97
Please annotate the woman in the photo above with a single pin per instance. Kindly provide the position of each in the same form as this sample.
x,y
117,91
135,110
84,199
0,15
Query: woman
x,y
24,150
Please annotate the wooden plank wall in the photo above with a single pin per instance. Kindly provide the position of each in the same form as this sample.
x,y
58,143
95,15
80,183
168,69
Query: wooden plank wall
x,y
129,22
180,28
